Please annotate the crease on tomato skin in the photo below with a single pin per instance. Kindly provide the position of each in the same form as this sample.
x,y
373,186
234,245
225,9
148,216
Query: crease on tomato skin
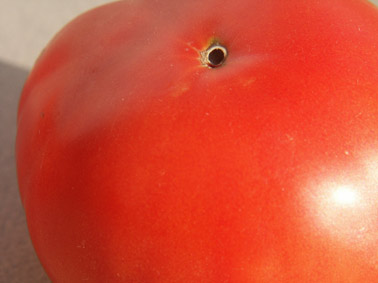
x,y
50,63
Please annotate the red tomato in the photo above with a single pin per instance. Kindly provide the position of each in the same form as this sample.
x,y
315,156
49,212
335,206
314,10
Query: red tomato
x,y
138,162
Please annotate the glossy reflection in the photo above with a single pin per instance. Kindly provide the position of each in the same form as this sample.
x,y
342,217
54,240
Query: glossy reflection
x,y
345,196
345,206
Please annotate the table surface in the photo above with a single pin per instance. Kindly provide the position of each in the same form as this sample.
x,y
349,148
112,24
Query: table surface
x,y
29,26
18,262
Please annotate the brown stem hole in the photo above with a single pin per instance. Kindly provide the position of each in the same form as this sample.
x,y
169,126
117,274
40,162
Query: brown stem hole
x,y
214,56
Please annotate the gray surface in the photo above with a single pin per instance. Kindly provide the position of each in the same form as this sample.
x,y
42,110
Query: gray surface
x,y
18,262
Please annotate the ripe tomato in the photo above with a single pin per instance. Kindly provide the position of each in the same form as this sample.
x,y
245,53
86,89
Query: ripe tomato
x,y
205,141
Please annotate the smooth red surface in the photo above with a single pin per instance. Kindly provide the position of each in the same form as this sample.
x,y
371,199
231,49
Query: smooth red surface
x,y
138,164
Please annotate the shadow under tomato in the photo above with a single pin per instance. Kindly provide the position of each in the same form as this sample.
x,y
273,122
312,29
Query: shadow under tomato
x,y
18,261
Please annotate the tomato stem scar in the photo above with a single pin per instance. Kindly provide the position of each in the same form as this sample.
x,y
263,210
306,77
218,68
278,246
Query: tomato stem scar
x,y
214,56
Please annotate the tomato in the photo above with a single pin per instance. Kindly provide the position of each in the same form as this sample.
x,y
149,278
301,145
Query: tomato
x,y
205,141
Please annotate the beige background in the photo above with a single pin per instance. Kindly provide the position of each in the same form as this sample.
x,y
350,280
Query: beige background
x,y
27,25
25,28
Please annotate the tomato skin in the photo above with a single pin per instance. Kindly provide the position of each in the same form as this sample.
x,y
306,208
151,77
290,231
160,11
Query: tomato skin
x,y
138,164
